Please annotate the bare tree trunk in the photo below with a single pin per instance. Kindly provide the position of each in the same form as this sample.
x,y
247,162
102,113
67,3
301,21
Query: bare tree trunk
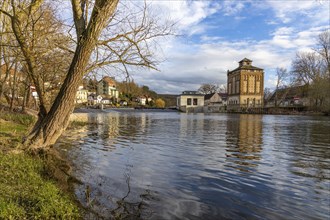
x,y
48,130
26,97
13,88
3,82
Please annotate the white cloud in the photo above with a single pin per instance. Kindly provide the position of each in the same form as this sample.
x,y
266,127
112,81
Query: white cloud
x,y
187,14
232,7
196,63
191,63
288,11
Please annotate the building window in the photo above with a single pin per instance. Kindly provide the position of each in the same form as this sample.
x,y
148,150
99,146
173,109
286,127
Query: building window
x,y
251,84
195,101
189,101
258,87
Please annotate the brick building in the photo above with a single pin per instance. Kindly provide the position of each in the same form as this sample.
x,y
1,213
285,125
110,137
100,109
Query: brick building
x,y
245,86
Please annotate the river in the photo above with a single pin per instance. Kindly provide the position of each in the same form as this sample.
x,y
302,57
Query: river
x,y
170,165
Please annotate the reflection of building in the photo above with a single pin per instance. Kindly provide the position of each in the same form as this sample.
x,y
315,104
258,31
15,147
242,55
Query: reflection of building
x,y
249,133
190,101
245,86
244,139
107,88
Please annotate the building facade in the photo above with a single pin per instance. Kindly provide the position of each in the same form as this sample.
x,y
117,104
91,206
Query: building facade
x,y
219,99
245,86
190,101
106,87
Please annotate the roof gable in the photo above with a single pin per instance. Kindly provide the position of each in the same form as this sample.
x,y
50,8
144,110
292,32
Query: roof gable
x,y
245,64
209,96
109,80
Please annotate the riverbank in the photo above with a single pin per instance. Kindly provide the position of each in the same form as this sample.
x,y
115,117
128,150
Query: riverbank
x,y
271,111
28,189
122,109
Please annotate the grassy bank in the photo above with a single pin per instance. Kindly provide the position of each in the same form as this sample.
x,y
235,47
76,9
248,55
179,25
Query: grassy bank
x,y
27,191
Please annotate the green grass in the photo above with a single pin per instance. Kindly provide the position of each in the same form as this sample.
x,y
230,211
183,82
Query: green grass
x,y
12,128
22,119
26,189
27,193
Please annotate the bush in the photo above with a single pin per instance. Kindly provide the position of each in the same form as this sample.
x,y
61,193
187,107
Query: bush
x,y
160,103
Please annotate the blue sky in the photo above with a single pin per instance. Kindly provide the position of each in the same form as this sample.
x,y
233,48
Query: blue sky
x,y
215,35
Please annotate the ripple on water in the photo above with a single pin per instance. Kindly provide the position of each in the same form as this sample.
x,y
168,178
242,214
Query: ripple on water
x,y
196,166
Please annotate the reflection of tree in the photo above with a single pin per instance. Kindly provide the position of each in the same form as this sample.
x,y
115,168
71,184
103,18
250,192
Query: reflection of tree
x,y
124,208
98,194
310,153
244,140
132,210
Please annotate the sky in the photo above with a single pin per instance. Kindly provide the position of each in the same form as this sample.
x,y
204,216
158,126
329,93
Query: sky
x,y
213,36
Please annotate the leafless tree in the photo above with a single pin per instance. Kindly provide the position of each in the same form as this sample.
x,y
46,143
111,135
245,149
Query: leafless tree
x,y
222,88
313,70
281,75
39,36
103,36
267,95
306,67
208,88
323,49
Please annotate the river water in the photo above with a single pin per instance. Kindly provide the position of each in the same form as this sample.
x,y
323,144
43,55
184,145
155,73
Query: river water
x,y
170,165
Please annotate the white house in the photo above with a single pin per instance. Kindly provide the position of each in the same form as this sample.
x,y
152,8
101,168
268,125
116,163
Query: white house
x,y
107,88
190,101
143,100
82,95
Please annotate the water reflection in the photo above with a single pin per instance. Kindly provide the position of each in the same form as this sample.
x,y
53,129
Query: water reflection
x,y
244,141
140,165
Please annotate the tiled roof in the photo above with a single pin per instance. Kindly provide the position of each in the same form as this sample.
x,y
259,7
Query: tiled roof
x,y
245,64
208,96
109,80
245,60
222,95
290,92
246,67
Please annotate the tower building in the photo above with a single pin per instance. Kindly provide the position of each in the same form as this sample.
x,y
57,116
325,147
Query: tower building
x,y
245,86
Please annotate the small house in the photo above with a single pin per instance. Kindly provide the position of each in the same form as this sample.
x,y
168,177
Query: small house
x,y
190,101
219,99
